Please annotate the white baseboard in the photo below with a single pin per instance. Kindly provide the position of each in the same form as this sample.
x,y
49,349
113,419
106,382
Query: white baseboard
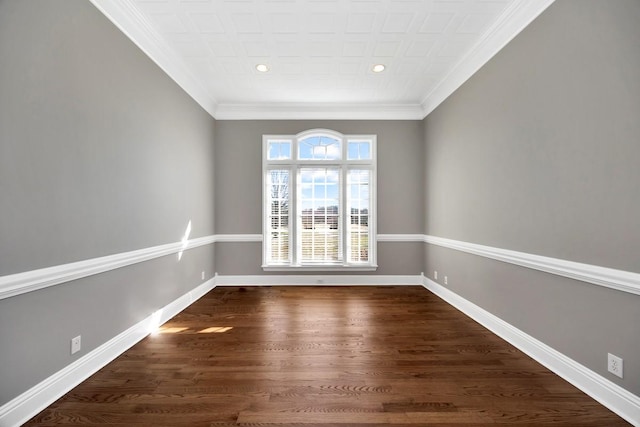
x,y
37,398
321,280
609,394
31,402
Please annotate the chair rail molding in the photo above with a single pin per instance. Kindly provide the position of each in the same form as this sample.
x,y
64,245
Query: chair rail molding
x,y
625,281
28,281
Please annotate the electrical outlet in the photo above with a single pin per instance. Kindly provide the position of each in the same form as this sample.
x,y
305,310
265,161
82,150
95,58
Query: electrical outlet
x,y
614,365
446,281
202,276
76,344
435,274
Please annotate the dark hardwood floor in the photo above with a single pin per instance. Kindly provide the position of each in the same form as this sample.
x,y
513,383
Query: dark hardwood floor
x,y
359,356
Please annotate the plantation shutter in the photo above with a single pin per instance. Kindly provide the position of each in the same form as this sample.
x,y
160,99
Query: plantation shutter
x,y
358,194
319,215
278,215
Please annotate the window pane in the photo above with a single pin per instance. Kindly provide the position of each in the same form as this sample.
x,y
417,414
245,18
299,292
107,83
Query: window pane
x,y
285,150
319,215
319,148
359,150
279,150
278,221
358,224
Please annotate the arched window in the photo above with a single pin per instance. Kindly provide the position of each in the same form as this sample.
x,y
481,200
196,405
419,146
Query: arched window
x,y
319,201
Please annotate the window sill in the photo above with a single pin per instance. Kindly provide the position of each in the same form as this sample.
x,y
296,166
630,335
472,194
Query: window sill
x,y
319,267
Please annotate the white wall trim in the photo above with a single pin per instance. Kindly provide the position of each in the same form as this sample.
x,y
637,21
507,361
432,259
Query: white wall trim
x,y
125,15
609,394
318,279
28,281
379,237
128,18
620,280
317,111
20,283
31,402
515,18
226,238
400,237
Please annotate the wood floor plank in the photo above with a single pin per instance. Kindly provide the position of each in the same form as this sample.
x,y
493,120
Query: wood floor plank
x,y
324,356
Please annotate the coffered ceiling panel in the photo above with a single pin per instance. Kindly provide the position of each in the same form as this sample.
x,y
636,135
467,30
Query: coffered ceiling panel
x,y
320,53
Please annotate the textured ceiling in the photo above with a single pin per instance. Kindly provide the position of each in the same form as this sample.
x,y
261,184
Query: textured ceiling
x,y
320,52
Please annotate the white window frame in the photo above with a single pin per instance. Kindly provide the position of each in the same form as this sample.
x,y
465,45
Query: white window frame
x,y
294,165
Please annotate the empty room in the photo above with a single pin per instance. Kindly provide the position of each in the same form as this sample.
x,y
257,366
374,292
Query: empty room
x,y
319,212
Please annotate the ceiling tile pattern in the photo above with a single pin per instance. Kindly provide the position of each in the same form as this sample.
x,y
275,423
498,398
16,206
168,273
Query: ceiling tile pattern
x,y
318,51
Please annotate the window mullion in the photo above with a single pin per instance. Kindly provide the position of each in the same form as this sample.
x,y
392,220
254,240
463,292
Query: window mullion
x,y
344,208
297,229
292,206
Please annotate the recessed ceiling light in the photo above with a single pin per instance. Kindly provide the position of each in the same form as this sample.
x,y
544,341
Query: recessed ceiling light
x,y
263,68
378,68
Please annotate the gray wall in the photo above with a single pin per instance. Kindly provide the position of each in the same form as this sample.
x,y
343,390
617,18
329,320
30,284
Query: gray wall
x,y
238,159
100,153
538,152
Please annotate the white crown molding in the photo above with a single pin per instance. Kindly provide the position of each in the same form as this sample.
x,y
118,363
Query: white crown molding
x,y
611,395
313,111
128,18
20,283
125,15
620,280
318,279
31,402
513,20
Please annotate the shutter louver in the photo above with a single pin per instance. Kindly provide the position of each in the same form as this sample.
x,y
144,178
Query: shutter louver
x,y
279,216
358,225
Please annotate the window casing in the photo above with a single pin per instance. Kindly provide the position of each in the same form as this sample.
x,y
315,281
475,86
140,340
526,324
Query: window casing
x,y
319,201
